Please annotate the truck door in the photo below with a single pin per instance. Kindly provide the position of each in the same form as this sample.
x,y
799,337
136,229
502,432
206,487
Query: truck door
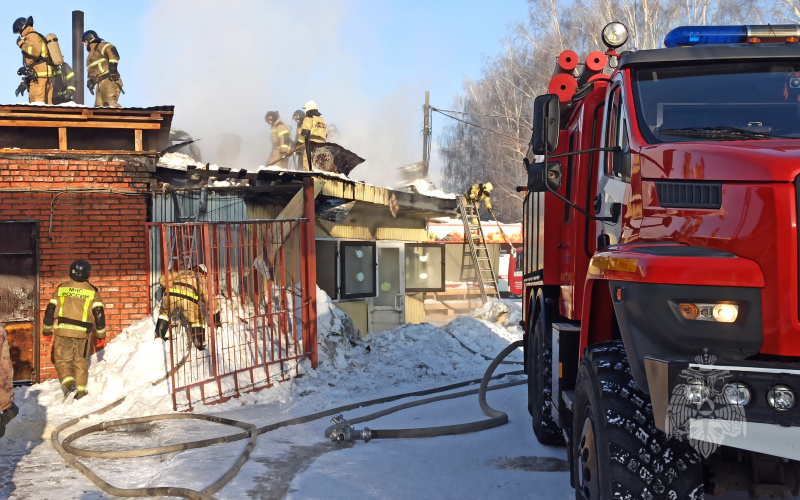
x,y
614,180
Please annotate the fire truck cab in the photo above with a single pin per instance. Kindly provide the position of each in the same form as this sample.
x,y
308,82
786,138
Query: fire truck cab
x,y
660,265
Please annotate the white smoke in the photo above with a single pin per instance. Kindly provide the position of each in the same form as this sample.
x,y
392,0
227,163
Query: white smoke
x,y
225,64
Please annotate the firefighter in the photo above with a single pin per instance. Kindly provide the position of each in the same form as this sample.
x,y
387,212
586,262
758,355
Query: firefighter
x,y
69,315
36,71
479,192
101,67
8,409
63,84
281,140
184,290
314,129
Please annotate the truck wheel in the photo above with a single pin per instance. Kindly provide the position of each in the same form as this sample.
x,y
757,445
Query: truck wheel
x,y
540,379
618,451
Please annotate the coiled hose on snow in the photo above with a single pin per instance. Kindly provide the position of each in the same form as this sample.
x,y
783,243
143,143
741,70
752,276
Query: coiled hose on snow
x,y
70,453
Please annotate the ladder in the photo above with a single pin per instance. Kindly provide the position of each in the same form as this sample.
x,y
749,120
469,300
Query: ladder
x,y
473,236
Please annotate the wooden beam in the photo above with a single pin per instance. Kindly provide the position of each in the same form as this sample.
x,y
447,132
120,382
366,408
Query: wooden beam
x,y
81,117
137,139
54,124
62,138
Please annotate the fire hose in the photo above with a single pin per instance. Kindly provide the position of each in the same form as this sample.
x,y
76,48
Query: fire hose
x,y
339,432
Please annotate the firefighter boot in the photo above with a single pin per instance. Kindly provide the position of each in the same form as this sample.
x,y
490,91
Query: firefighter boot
x,y
198,337
69,393
81,394
6,417
161,329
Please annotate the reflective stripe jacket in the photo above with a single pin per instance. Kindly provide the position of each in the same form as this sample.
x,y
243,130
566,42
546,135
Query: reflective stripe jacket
x,y
476,194
71,309
281,140
187,284
100,55
316,124
34,52
64,81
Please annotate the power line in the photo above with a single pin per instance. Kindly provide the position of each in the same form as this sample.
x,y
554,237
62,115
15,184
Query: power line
x,y
473,114
474,125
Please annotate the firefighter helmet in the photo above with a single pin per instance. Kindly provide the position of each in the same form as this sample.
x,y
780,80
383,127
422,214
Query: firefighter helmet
x,y
90,36
487,187
80,270
309,105
299,115
273,116
21,23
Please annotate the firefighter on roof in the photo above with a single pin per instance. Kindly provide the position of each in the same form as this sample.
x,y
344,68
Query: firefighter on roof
x,y
63,84
184,290
69,315
479,192
8,409
101,68
37,72
281,140
314,129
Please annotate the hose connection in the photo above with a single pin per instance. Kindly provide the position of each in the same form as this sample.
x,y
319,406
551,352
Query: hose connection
x,y
344,433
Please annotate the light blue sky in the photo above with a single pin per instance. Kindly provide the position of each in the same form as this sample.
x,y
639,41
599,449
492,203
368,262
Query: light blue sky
x,y
224,64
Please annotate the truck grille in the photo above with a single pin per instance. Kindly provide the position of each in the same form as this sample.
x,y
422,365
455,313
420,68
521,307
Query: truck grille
x,y
689,194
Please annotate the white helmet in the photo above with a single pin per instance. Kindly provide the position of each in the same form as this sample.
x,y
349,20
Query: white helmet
x,y
309,105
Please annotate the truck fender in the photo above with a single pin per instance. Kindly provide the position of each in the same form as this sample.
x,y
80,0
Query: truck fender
x,y
598,314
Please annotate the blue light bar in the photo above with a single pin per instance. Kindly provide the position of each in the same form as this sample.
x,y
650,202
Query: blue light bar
x,y
698,35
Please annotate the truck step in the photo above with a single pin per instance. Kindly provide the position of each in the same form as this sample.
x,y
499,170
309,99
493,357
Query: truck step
x,y
569,399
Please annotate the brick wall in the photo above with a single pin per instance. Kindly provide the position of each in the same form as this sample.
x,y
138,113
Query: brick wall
x,y
106,228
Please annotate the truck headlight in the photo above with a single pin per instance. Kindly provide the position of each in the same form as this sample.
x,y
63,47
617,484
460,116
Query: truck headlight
x,y
736,394
614,35
721,313
697,392
780,397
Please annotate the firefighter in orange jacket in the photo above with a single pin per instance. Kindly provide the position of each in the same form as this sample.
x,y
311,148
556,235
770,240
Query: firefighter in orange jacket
x,y
184,290
314,129
8,409
101,67
281,140
36,72
69,315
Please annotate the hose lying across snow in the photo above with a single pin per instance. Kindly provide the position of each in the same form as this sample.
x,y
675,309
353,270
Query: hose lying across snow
x,y
70,453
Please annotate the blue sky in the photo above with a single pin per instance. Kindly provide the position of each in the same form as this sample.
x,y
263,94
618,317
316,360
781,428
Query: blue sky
x,y
224,64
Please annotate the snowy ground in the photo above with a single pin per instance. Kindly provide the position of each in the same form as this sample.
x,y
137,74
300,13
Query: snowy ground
x,y
299,462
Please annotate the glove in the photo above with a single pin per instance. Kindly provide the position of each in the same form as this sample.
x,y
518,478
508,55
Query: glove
x,y
20,40
99,343
113,74
21,89
69,94
48,336
90,84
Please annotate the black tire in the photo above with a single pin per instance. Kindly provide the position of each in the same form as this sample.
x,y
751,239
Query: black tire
x,y
540,375
618,452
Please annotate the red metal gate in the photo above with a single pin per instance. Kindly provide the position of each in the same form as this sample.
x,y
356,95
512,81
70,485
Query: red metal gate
x,y
258,274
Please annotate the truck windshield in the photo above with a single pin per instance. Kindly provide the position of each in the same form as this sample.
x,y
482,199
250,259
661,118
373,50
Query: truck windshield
x,y
752,100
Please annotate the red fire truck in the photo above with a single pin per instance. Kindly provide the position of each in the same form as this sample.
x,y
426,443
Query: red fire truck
x,y
661,261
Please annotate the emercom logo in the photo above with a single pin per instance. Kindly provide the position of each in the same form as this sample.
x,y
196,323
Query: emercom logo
x,y
700,407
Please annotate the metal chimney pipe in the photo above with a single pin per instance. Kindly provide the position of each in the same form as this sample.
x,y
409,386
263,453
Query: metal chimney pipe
x,y
77,55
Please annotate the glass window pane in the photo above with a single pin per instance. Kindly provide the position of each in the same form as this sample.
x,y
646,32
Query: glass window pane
x,y
358,269
424,267
326,267
388,277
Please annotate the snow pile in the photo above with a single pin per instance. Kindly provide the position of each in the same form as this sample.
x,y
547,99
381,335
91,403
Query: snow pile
x,y
179,161
350,367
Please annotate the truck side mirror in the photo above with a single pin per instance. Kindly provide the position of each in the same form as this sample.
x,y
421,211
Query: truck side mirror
x,y
621,166
540,177
546,122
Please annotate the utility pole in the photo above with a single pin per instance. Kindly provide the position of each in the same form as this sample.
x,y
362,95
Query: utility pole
x,y
426,132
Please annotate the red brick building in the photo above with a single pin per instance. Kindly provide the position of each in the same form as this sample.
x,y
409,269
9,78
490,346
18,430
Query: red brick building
x,y
74,183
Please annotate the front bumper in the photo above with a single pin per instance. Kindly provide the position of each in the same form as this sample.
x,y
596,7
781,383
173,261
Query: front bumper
x,y
755,426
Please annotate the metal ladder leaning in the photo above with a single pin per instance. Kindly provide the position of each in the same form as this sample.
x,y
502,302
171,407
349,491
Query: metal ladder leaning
x,y
473,235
